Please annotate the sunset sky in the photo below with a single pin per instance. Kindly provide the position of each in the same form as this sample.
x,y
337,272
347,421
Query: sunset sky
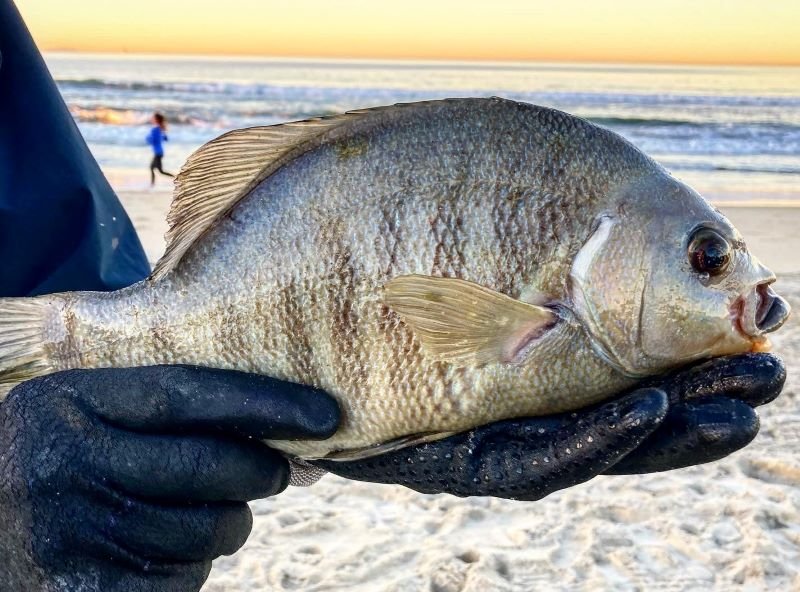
x,y
676,31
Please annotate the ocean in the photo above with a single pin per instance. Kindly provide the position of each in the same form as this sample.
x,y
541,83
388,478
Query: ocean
x,y
731,132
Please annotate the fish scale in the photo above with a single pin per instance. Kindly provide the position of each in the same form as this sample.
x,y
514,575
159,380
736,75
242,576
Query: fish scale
x,y
433,266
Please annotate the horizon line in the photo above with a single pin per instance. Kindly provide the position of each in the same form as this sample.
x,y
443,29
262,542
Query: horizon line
x,y
223,55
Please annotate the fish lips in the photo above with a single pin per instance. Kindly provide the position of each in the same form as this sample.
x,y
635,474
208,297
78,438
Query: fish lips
x,y
761,312
772,310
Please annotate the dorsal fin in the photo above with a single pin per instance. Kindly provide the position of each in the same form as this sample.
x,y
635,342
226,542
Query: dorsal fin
x,y
220,173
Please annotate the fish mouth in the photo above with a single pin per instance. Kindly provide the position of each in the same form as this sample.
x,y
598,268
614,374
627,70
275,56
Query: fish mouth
x,y
758,313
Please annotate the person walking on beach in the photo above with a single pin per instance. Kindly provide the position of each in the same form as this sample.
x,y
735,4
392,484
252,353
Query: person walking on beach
x,y
157,135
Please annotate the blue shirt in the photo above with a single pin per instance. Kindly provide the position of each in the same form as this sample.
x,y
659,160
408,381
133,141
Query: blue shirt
x,y
154,138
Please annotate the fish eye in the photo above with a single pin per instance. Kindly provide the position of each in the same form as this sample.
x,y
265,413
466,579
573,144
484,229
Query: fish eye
x,y
709,253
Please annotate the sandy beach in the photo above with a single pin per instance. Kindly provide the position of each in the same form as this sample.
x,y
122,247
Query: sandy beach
x,y
729,525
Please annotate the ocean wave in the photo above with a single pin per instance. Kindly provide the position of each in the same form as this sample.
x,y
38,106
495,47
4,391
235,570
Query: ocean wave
x,y
754,169
192,87
245,115
126,117
644,121
98,83
676,162
258,89
721,128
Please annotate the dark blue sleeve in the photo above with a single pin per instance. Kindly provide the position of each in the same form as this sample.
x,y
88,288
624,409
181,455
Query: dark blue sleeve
x,y
61,225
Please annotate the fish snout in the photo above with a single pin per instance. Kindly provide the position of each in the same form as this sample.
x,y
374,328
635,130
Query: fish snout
x,y
771,311
761,311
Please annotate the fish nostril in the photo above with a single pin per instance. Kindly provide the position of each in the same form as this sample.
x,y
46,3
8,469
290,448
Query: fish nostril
x,y
772,310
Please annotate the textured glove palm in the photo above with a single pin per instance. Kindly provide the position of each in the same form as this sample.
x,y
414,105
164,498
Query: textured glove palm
x,y
693,416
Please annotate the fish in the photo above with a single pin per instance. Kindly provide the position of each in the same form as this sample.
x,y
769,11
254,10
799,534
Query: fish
x,y
434,266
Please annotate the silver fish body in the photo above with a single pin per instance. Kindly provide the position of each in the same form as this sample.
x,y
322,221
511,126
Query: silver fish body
x,y
433,266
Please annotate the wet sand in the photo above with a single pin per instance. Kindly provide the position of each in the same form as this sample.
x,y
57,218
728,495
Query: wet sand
x,y
729,525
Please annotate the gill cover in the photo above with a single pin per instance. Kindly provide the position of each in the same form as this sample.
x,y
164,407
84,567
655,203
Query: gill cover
x,y
607,284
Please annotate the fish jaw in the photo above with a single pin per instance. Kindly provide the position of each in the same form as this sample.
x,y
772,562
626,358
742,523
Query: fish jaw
x,y
758,312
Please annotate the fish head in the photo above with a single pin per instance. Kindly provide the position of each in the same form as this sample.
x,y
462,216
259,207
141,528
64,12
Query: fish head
x,y
664,278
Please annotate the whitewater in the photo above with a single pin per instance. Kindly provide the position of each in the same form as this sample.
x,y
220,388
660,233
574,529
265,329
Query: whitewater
x,y
732,132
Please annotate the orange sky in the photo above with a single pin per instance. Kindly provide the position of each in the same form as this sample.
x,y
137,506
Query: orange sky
x,y
677,31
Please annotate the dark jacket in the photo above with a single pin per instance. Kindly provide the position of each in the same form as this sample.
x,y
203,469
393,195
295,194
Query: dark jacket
x,y
61,226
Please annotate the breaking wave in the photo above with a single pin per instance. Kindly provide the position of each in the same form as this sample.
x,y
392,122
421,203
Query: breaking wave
x,y
718,126
113,116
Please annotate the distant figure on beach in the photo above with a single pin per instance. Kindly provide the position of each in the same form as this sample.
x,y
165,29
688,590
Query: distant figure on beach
x,y
157,135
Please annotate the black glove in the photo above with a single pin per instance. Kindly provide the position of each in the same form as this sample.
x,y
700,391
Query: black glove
x,y
693,416
135,479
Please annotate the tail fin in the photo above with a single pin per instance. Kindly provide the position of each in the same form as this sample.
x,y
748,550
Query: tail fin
x,y
23,322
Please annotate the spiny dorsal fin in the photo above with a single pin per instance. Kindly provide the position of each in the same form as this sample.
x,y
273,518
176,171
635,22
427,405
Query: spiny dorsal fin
x,y
463,323
219,174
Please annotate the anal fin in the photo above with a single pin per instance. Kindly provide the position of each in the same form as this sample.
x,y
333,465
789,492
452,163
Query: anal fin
x,y
390,446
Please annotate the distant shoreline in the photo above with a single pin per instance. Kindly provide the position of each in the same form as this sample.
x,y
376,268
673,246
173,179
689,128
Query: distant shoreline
x,y
147,55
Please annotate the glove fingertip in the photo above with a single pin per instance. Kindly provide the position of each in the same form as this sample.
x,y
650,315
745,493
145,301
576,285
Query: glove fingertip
x,y
728,431
755,378
772,373
278,480
694,433
317,415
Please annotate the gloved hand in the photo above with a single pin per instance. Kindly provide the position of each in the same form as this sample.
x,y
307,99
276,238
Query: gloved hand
x,y
693,416
135,479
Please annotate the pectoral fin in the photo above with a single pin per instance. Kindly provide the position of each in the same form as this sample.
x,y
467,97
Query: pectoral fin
x,y
463,323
